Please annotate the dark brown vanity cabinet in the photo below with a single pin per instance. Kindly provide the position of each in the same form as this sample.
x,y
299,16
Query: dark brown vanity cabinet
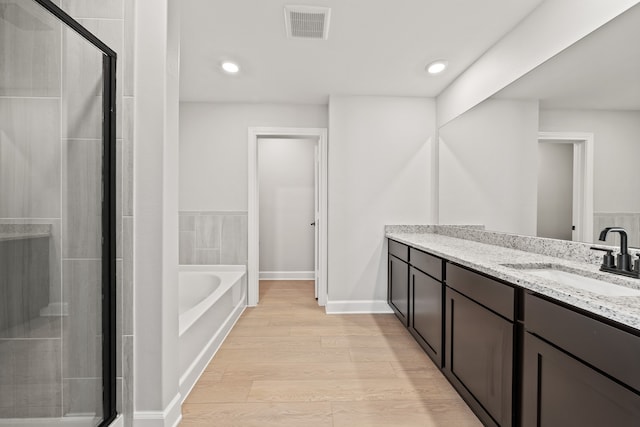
x,y
517,359
577,371
398,280
479,327
426,302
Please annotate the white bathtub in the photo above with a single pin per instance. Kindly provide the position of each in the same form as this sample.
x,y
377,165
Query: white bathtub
x,y
212,298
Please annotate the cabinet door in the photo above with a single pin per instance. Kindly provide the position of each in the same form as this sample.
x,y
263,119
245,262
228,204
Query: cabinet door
x,y
612,350
479,358
399,288
559,390
426,313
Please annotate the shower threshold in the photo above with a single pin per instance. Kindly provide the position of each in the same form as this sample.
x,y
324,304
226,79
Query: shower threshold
x,y
41,422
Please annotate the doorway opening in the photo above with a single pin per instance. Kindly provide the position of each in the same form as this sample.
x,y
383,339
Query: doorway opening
x,y
286,180
565,186
279,138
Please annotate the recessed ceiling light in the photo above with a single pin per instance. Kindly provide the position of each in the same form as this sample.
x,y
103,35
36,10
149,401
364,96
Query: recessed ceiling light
x,y
437,67
230,67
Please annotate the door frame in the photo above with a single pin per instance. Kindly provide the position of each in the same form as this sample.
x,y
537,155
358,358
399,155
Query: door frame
x,y
582,179
253,260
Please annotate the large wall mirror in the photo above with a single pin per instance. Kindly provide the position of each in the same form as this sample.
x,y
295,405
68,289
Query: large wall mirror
x,y
556,153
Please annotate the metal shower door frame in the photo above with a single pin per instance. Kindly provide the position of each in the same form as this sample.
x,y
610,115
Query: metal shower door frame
x,y
109,311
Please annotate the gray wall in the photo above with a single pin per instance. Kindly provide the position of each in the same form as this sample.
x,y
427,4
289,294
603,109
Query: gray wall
x,y
488,171
616,154
380,152
213,149
213,173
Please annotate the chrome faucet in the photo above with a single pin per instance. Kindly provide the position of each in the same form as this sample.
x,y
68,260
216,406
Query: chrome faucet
x,y
623,265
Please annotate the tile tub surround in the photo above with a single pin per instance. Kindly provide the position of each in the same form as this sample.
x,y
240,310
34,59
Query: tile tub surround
x,y
489,259
213,238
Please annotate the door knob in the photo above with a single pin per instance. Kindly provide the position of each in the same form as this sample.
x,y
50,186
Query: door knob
x,y
313,223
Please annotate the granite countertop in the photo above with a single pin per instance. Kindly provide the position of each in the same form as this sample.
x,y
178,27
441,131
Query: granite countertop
x,y
491,259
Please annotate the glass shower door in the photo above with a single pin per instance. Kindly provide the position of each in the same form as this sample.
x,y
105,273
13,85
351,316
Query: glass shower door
x,y
57,267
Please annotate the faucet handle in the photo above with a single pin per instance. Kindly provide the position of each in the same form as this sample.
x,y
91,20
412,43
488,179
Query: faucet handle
x,y
608,259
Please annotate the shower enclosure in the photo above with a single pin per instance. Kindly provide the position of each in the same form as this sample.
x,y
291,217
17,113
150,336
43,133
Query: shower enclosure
x,y
57,219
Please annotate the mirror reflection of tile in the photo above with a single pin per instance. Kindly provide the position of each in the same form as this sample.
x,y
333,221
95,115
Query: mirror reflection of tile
x,y
629,221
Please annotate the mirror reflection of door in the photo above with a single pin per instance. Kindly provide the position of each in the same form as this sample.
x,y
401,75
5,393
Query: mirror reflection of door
x,y
555,190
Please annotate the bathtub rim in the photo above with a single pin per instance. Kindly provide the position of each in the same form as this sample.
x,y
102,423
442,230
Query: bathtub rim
x,y
212,267
213,282
232,274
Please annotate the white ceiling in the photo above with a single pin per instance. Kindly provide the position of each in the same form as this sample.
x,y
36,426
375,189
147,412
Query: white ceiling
x,y
375,47
601,71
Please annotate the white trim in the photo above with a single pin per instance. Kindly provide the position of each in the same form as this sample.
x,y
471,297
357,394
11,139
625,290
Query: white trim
x,y
171,416
287,275
253,205
358,307
583,159
118,422
435,178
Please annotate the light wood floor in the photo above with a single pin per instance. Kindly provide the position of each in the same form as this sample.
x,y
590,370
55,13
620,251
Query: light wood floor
x,y
286,363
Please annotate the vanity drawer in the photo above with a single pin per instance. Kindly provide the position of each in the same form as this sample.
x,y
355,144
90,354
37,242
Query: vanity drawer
x,y
399,250
603,346
426,263
494,295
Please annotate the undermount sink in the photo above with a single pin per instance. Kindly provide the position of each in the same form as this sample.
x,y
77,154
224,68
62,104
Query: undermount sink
x,y
559,275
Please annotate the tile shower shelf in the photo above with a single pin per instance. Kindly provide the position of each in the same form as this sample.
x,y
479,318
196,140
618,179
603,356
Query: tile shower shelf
x,y
22,236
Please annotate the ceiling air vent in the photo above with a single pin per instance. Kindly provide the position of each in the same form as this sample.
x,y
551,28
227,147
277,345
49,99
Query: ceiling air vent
x,y
307,22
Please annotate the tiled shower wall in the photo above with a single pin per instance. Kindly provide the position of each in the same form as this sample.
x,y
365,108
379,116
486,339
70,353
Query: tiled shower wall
x,y
113,22
50,93
213,238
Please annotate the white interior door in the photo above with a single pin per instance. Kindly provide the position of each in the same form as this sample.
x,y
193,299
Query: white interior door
x,y
316,217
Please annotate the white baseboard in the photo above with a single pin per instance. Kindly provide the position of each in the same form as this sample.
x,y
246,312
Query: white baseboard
x,y
358,306
287,275
170,417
